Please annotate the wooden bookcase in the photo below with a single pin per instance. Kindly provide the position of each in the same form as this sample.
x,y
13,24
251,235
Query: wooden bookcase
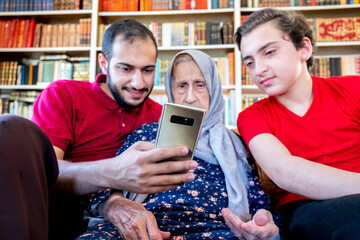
x,y
233,14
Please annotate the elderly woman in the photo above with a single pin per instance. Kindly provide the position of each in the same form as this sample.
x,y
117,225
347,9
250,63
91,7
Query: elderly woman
x,y
219,203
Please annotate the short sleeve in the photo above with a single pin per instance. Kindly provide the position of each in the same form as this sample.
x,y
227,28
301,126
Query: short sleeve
x,y
253,121
52,112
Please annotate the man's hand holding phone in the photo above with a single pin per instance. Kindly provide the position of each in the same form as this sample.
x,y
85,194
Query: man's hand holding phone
x,y
138,169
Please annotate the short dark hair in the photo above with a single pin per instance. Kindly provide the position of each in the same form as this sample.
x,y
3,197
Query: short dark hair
x,y
130,30
292,23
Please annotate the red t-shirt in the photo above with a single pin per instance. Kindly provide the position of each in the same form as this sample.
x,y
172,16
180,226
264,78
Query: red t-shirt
x,y
81,119
329,133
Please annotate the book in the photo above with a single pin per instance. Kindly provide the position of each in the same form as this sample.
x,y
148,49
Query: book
x,y
337,29
231,60
335,66
37,35
12,30
31,33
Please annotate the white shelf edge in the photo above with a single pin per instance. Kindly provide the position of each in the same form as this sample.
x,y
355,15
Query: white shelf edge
x,y
337,44
307,8
170,12
46,13
23,87
224,87
231,126
47,49
199,47
249,87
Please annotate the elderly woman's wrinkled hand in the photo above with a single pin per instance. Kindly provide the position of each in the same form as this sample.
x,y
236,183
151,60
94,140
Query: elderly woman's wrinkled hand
x,y
132,220
261,226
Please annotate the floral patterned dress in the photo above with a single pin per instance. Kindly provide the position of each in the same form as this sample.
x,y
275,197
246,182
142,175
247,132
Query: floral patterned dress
x,y
190,211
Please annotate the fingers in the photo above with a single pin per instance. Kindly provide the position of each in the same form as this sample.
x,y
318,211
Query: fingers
x,y
249,230
233,222
262,217
175,166
153,230
139,169
159,154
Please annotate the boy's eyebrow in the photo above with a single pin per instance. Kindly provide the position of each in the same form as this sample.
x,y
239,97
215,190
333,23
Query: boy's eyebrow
x,y
131,66
259,50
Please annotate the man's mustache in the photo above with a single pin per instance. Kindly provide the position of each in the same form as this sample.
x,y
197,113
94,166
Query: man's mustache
x,y
134,89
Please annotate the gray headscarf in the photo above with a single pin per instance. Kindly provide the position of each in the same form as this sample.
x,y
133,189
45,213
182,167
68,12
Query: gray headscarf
x,y
217,144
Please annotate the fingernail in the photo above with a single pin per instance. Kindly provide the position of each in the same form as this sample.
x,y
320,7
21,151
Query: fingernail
x,y
193,165
184,151
191,177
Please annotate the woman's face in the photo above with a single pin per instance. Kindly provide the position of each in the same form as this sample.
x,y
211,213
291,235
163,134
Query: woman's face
x,y
189,87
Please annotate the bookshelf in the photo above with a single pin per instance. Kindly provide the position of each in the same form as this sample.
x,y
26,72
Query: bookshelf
x,y
99,18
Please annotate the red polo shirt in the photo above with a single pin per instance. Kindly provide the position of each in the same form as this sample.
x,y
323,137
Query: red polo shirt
x,y
81,119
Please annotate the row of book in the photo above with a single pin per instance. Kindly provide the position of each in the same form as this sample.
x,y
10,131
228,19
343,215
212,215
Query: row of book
x,y
294,3
24,33
53,67
48,69
162,5
322,67
225,67
187,33
18,102
43,5
247,101
336,66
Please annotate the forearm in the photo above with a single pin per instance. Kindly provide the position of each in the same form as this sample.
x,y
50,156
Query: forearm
x,y
301,176
316,181
81,178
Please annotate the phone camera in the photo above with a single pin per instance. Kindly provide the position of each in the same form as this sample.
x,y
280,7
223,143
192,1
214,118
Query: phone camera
x,y
182,120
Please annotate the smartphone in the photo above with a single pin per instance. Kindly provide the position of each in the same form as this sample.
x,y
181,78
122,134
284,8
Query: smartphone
x,y
180,125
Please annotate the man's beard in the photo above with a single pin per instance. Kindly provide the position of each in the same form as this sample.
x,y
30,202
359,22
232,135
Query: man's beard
x,y
119,99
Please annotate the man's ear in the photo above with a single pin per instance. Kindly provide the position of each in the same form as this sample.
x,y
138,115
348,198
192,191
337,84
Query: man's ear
x,y
103,63
306,50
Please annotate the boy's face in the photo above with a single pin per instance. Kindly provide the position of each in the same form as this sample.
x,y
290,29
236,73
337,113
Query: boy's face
x,y
131,71
273,62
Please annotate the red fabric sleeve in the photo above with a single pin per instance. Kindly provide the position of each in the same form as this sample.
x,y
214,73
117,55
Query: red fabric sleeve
x,y
252,122
52,112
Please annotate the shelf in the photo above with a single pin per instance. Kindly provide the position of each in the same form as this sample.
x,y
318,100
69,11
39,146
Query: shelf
x,y
337,44
252,90
224,88
198,47
308,8
167,13
48,49
23,87
78,13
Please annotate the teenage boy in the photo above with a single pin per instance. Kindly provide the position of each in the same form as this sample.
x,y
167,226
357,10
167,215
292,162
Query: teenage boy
x,y
88,122
306,134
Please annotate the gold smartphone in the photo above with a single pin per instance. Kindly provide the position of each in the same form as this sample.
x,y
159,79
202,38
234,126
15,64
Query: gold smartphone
x,y
179,125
